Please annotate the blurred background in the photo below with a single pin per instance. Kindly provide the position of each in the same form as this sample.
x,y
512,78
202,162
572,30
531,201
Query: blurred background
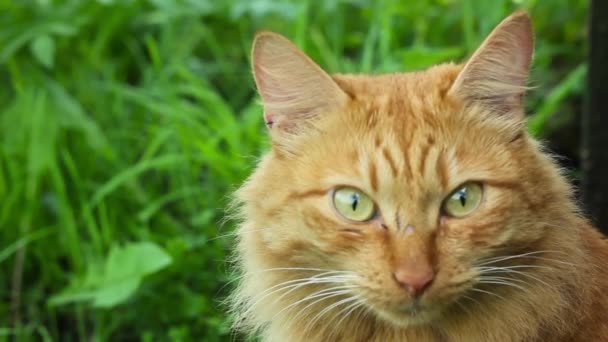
x,y
126,124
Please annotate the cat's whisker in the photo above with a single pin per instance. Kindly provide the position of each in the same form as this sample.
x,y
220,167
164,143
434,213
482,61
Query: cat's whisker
x,y
328,309
554,260
295,284
512,271
362,313
311,282
324,294
303,310
349,309
502,278
551,225
479,305
303,269
488,292
291,281
509,257
493,268
498,282
358,304
318,278
472,299
541,251
491,278
318,293
500,257
464,307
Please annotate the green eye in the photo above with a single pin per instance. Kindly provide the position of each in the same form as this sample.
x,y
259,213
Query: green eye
x,y
463,200
353,204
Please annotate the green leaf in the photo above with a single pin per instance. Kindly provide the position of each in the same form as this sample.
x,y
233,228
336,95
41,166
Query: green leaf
x,y
118,280
115,294
43,49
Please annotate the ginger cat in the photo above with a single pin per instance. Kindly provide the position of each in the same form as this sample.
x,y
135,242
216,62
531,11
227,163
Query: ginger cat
x,y
412,207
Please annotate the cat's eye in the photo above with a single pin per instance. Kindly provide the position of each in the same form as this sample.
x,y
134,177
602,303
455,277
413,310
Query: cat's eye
x,y
464,200
353,204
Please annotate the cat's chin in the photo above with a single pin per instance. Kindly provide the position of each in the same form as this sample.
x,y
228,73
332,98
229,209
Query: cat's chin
x,y
408,316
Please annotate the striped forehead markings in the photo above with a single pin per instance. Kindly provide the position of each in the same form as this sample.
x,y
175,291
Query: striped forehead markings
x,y
428,158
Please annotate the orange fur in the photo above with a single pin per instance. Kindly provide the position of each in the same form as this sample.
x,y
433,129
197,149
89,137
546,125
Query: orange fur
x,y
408,140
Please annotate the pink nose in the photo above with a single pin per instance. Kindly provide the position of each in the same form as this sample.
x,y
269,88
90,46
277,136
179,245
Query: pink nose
x,y
415,281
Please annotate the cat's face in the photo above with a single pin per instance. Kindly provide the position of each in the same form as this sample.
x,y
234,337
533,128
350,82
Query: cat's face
x,y
403,185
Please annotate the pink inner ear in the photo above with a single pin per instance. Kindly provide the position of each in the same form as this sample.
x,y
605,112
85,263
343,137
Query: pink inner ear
x,y
269,120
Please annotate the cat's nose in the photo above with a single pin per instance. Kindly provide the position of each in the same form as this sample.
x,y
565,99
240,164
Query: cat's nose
x,y
415,281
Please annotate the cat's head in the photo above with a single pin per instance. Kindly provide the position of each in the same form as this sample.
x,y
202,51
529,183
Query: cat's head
x,y
403,185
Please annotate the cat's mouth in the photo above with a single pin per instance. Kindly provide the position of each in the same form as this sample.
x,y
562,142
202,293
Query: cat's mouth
x,y
413,310
414,313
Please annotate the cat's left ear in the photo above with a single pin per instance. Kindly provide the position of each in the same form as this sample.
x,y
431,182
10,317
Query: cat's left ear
x,y
293,88
495,76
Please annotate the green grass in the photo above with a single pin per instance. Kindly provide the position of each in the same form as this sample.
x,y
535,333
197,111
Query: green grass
x,y
125,125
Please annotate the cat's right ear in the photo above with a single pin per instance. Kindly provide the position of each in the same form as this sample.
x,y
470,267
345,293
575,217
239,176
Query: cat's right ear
x,y
495,76
293,88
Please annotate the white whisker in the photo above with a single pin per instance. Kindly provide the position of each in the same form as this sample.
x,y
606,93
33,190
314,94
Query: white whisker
x,y
493,268
553,260
248,274
488,292
295,284
472,299
501,278
328,309
325,294
463,307
512,271
509,257
335,279
498,282
358,304
303,310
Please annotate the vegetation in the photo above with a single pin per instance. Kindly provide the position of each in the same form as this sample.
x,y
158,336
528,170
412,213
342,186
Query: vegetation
x,y
125,125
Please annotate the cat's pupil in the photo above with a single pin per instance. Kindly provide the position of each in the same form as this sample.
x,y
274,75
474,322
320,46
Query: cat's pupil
x,y
462,196
355,201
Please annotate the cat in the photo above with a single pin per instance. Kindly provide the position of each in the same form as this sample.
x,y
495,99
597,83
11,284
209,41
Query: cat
x,y
412,207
